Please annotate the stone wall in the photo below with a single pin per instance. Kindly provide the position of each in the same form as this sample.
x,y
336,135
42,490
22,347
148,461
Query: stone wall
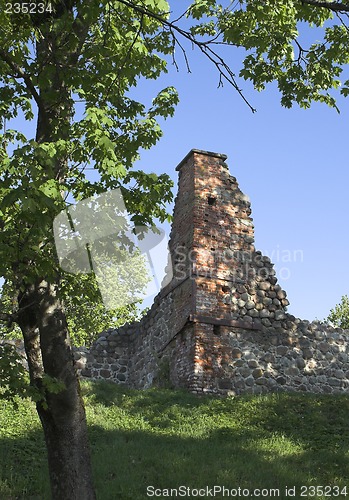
x,y
221,325
302,356
310,357
141,354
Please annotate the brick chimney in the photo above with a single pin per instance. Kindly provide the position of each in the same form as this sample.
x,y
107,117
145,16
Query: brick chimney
x,y
233,287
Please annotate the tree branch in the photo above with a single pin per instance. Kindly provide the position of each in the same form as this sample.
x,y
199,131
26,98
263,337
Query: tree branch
x,y
80,30
334,6
19,73
223,69
6,317
341,20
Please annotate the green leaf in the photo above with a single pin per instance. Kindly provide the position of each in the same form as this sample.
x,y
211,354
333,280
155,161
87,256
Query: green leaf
x,y
50,189
29,205
106,143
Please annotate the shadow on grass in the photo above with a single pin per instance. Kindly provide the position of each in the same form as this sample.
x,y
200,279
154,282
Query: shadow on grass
x,y
317,422
126,463
23,467
267,442
247,442
110,394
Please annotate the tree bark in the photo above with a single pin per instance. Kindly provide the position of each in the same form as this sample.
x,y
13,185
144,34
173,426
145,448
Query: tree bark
x,y
41,314
62,414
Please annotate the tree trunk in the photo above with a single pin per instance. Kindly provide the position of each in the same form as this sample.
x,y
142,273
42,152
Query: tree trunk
x,y
41,316
62,413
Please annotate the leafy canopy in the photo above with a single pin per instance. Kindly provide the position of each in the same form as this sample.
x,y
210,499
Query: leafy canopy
x,y
306,64
85,311
71,76
339,315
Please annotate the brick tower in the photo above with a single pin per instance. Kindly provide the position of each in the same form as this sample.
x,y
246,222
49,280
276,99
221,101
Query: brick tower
x,y
233,288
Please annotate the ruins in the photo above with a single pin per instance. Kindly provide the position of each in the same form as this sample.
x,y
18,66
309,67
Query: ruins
x,y
221,325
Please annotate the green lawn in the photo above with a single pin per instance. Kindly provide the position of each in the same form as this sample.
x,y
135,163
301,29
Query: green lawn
x,y
167,439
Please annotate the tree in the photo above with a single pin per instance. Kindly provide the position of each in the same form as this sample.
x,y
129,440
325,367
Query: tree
x,y
69,66
339,316
92,53
85,311
86,319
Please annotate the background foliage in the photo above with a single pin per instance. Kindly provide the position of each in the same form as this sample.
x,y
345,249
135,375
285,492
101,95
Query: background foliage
x,y
339,315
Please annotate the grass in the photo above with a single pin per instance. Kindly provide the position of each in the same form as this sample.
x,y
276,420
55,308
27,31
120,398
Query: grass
x,y
170,438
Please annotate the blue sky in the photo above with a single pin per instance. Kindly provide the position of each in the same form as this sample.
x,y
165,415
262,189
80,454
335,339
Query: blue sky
x,y
293,164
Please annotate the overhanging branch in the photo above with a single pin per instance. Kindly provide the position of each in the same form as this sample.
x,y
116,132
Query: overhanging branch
x,y
5,317
334,6
224,70
19,73
8,319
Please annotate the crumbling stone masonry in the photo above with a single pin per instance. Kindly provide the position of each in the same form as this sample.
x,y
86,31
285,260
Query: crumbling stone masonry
x,y
220,326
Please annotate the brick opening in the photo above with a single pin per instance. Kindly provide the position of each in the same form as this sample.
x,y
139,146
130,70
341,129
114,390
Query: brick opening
x,y
216,329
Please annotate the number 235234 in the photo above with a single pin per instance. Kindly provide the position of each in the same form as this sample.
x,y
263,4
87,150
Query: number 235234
x,y
28,7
